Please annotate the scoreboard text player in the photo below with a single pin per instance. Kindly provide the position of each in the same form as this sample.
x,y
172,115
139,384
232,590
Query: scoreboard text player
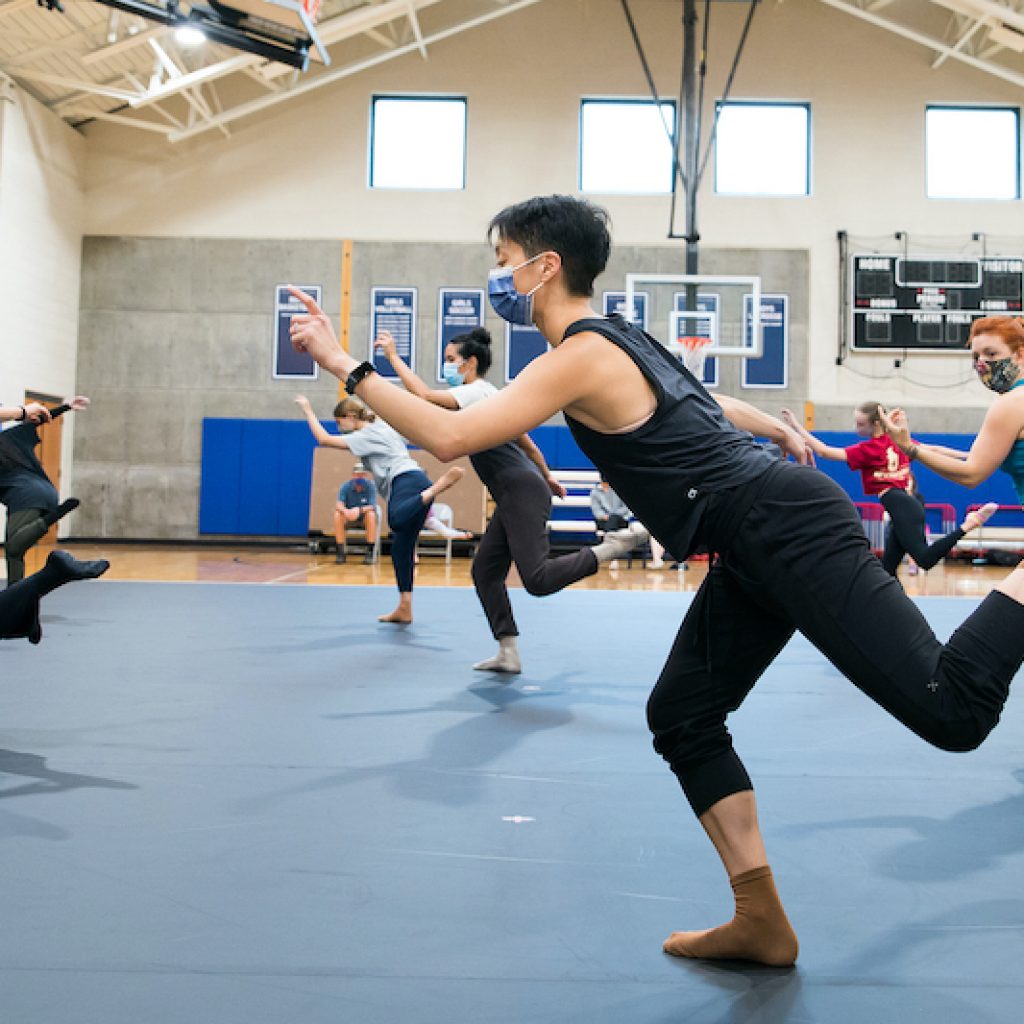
x,y
929,303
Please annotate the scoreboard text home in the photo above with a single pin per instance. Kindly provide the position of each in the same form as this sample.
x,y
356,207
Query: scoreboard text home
x,y
912,302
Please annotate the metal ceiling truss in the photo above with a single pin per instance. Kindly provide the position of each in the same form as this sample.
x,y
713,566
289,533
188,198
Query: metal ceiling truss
x,y
987,35
104,61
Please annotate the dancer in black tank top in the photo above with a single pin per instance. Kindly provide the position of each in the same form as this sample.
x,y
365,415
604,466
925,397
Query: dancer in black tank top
x,y
688,467
519,481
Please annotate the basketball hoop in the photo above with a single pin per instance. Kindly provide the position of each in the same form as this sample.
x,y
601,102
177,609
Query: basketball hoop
x,y
693,350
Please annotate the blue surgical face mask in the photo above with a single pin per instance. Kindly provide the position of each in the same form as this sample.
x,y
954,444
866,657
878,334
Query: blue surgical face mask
x,y
509,304
451,374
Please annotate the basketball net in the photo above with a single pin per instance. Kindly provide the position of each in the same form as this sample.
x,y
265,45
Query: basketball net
x,y
693,351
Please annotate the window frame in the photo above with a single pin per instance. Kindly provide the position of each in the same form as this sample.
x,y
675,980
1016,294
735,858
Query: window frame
x,y
622,101
981,108
808,150
417,97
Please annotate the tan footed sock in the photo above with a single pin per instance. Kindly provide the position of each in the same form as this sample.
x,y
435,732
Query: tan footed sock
x,y
759,931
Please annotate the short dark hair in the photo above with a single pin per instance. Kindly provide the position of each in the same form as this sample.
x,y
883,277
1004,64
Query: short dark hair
x,y
476,342
574,228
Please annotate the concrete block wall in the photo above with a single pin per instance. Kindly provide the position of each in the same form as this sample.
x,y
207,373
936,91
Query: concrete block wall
x,y
175,330
172,331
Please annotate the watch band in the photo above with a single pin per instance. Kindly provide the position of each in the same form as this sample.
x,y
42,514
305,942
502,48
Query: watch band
x,y
355,378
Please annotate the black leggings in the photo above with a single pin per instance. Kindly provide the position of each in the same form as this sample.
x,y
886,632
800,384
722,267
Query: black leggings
x,y
24,529
777,576
518,533
19,603
906,534
406,515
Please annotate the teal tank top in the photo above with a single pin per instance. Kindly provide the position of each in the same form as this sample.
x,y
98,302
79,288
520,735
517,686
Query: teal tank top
x,y
1013,464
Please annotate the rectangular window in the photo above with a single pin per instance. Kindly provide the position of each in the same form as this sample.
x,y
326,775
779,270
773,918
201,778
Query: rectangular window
x,y
625,147
418,142
972,152
763,149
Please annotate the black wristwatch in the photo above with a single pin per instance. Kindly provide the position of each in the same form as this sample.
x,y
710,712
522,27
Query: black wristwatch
x,y
355,378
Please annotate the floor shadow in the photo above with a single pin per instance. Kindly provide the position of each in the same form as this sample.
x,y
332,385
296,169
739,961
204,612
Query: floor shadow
x,y
399,636
451,769
746,994
46,780
967,842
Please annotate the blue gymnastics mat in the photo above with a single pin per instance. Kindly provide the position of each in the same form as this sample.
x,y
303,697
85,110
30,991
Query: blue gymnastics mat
x,y
254,805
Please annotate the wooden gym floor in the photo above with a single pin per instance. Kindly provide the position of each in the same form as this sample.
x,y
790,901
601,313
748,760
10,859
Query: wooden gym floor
x,y
227,564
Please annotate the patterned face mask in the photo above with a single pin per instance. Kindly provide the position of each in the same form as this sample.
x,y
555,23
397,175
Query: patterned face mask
x,y
998,376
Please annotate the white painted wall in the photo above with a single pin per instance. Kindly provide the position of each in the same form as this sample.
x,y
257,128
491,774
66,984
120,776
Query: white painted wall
x,y
42,164
301,168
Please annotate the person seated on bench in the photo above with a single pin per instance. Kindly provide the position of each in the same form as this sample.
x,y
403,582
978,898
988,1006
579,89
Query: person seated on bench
x,y
610,512
357,502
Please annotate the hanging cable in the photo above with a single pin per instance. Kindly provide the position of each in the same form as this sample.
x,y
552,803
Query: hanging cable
x,y
676,140
728,87
677,170
702,73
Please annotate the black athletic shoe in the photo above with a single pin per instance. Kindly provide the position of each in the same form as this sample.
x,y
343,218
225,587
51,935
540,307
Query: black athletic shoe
x,y
61,511
369,558
73,569
340,557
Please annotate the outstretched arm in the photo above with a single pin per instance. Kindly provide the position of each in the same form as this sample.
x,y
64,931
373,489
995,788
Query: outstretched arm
x,y
953,453
542,389
386,344
1003,424
534,454
747,417
316,427
33,412
826,451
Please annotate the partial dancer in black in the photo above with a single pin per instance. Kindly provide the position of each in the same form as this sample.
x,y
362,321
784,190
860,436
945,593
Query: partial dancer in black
x,y
33,505
688,467
521,484
19,603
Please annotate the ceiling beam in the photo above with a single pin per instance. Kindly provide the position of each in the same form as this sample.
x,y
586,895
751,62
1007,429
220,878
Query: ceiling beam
x,y
73,83
960,43
335,30
328,77
985,8
924,40
417,34
124,45
129,122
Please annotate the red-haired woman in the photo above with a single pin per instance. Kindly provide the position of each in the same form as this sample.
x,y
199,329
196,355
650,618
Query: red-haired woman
x,y
997,347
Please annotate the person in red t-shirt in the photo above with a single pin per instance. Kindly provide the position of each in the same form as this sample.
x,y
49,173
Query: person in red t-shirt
x,y
885,473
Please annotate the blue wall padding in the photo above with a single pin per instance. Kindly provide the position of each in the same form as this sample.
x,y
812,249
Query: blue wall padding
x,y
559,448
260,484
220,476
296,446
256,475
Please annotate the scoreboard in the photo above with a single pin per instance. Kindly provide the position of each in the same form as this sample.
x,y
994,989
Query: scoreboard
x,y
929,303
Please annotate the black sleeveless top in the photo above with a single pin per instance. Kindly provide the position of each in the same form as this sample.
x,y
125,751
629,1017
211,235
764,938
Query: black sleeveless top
x,y
670,469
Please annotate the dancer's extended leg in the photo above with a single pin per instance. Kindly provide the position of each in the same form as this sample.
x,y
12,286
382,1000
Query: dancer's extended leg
x,y
407,511
773,576
26,528
19,603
